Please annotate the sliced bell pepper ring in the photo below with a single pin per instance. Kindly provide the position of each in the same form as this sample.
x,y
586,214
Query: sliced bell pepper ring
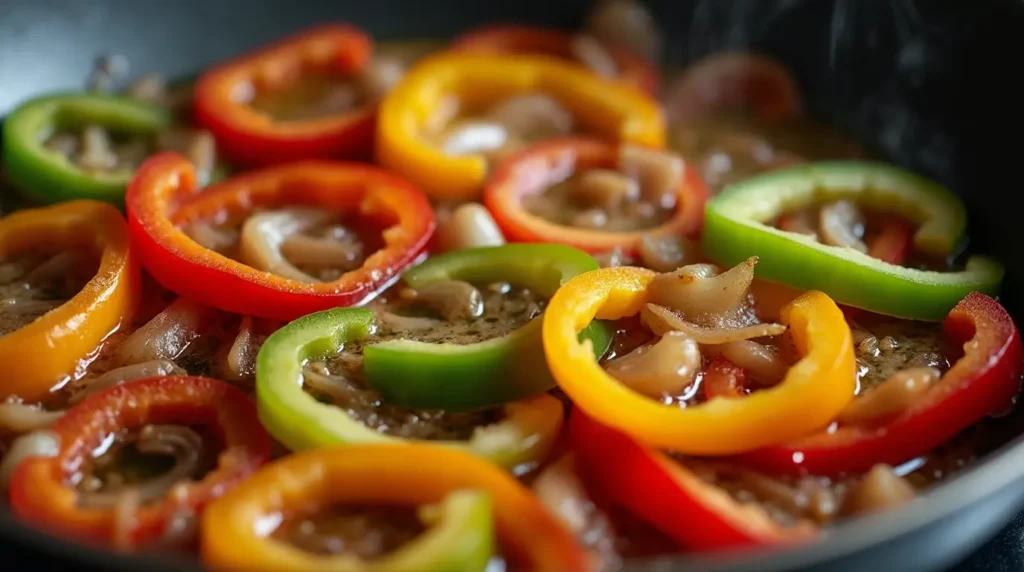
x,y
544,41
735,229
663,492
41,488
546,163
251,137
813,392
163,196
296,419
39,356
985,381
47,176
607,109
461,377
390,474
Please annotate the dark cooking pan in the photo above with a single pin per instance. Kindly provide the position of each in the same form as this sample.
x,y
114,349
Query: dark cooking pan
x,y
918,81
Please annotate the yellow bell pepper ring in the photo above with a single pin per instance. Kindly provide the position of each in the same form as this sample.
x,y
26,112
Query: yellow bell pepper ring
x,y
39,356
812,393
603,108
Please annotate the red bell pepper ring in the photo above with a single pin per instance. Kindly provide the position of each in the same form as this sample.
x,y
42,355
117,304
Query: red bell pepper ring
x,y
664,493
894,240
722,378
525,40
41,489
250,137
531,171
163,196
985,381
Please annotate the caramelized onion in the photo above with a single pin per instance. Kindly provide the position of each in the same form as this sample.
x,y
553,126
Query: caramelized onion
x,y
762,363
703,296
664,368
453,299
668,253
533,116
605,188
880,489
35,444
22,418
209,236
63,269
241,359
264,233
842,224
182,443
892,396
166,336
398,323
125,373
658,172
661,320
96,153
469,226
589,52
323,252
336,386
125,505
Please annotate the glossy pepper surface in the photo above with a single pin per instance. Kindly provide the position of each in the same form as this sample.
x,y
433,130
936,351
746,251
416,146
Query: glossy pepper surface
x,y
735,228
547,163
606,109
37,357
163,197
252,137
295,418
406,475
40,489
813,392
46,175
458,377
985,381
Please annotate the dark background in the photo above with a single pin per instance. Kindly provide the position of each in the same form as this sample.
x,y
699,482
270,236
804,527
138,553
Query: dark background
x,y
929,84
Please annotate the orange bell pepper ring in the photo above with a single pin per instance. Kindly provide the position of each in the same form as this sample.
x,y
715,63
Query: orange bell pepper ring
x,y
39,356
813,392
404,475
603,108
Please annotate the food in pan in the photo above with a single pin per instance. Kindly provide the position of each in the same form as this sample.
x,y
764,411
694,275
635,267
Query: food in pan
x,y
520,299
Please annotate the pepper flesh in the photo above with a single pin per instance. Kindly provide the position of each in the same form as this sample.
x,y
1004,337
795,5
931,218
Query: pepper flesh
x,y
301,422
163,197
663,492
253,138
39,356
393,474
632,70
735,229
985,381
459,377
47,176
40,488
813,392
549,162
607,109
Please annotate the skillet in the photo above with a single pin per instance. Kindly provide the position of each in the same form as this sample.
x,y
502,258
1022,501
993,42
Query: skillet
x,y
917,81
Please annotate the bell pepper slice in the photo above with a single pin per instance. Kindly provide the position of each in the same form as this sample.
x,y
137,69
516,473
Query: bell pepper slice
x,y
164,196
301,422
813,392
543,164
510,39
985,381
38,357
47,176
461,377
605,108
735,229
42,489
663,492
251,137
391,474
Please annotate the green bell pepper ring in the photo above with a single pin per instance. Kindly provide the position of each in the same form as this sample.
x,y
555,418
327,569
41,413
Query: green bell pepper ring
x,y
48,176
462,377
735,229
300,422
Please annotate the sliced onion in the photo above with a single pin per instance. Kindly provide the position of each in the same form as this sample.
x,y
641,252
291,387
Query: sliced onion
x,y
241,359
661,320
892,396
605,188
97,153
880,489
397,323
35,444
125,505
842,224
703,296
589,52
533,117
166,336
763,364
664,368
668,253
469,226
182,443
658,172
454,299
125,373
337,386
22,418
64,267
209,236
264,233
